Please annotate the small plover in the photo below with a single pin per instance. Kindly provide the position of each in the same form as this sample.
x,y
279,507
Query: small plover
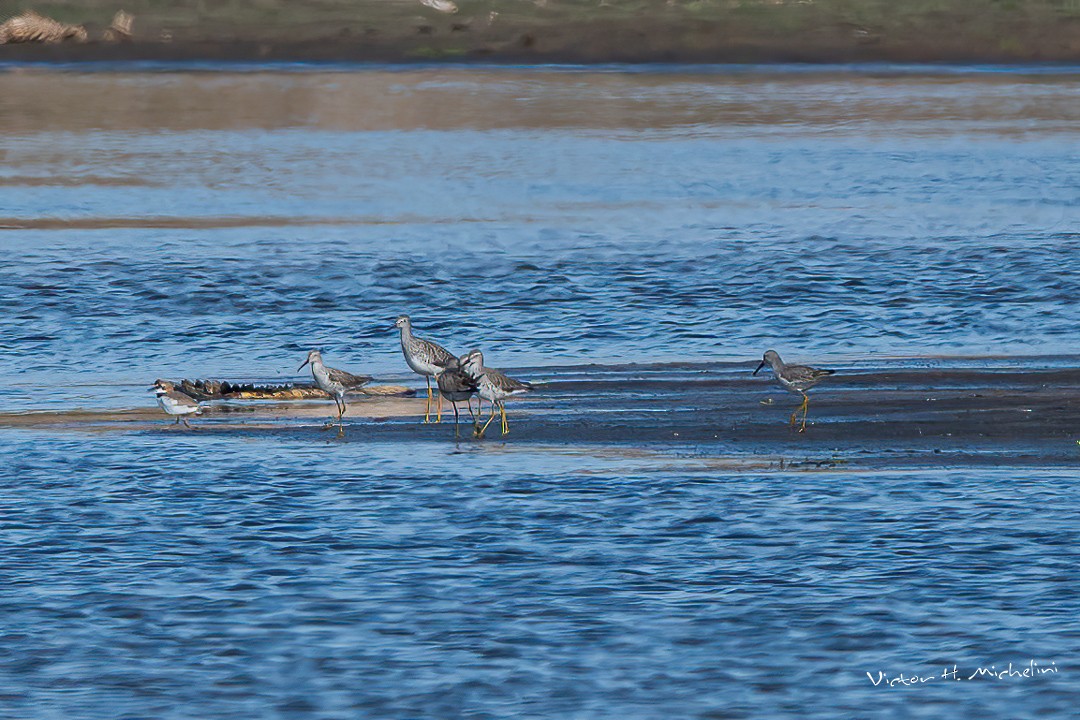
x,y
174,402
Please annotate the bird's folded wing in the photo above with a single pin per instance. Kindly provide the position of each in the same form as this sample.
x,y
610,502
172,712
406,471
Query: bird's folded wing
x,y
348,379
504,382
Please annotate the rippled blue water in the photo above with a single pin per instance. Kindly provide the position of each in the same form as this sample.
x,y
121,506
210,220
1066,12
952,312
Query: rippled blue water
x,y
551,218
218,224
216,578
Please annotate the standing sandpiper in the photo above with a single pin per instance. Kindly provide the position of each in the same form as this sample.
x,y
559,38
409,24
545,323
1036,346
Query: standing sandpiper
x,y
174,402
492,386
794,378
333,381
424,358
456,385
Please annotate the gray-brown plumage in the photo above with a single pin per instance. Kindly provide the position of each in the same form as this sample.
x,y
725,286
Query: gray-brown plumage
x,y
174,402
456,385
424,358
31,27
492,385
333,381
794,378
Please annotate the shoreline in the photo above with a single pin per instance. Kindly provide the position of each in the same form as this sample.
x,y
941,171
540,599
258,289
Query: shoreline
x,y
568,32
349,57
887,418
299,64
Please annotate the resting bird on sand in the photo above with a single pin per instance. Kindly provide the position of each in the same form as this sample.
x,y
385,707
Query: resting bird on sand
x,y
794,378
492,386
174,402
333,381
424,358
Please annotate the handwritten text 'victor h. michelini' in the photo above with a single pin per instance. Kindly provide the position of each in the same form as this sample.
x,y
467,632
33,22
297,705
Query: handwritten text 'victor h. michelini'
x,y
1030,670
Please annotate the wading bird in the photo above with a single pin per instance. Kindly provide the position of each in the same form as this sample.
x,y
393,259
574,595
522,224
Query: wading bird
x,y
492,386
456,385
333,381
794,378
424,358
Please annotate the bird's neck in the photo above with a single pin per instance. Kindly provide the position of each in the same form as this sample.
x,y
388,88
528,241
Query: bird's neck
x,y
406,334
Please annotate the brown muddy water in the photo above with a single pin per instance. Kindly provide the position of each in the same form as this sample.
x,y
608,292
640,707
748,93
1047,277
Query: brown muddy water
x,y
650,539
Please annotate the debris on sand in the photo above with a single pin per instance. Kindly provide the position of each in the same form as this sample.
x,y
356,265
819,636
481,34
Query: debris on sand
x,y
225,390
443,6
30,27
120,30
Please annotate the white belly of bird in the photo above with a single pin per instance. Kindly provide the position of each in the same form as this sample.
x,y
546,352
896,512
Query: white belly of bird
x,y
172,407
422,368
322,379
790,386
487,391
416,362
492,393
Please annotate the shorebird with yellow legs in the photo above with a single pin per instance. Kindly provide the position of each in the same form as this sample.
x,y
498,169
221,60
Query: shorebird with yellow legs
x,y
424,358
795,379
493,386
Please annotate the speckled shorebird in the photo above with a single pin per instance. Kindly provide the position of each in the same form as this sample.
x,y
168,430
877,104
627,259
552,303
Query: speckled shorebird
x,y
457,385
174,402
424,358
333,381
493,386
794,378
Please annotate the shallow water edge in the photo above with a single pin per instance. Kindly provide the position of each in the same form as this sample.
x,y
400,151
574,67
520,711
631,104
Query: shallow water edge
x,y
885,417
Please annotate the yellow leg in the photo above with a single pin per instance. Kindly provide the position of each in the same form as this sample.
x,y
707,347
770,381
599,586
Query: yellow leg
x,y
479,417
505,425
484,429
440,409
795,415
427,406
806,410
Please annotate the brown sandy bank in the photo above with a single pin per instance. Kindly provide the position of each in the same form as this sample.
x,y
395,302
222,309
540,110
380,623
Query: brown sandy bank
x,y
571,31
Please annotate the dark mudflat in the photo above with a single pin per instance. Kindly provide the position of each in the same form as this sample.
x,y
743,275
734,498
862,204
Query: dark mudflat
x,y
882,418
